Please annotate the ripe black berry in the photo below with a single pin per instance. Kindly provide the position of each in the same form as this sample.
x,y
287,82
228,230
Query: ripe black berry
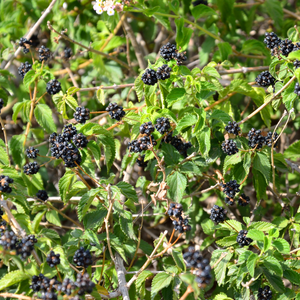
x,y
203,276
69,132
297,89
229,201
147,128
168,138
1,104
218,214
256,140
34,40
175,210
269,140
116,112
24,68
264,293
31,168
182,225
58,146
25,246
265,79
67,53
163,125
53,259
44,284
230,188
4,184
180,146
42,194
68,286
149,77
141,161
296,63
84,284
243,200
49,296
82,258
71,156
271,40
53,87
286,47
80,140
233,128
82,114
167,51
8,240
25,44
44,53
242,240
229,147
31,152
179,57
52,138
144,143
163,72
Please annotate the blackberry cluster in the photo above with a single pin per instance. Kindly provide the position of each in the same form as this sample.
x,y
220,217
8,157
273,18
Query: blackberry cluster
x,y
198,2
168,138
181,146
44,53
182,225
242,240
1,104
8,240
229,201
218,214
147,128
25,44
229,147
162,125
175,210
31,168
25,246
49,296
53,87
44,284
24,68
34,40
230,188
53,259
31,152
163,72
286,47
149,77
68,286
4,184
82,114
52,138
82,258
296,64
167,51
84,284
265,79
255,139
2,226
272,40
243,200
179,57
297,89
42,194
69,132
58,145
141,161
71,156
80,140
264,293
143,143
116,112
67,53
233,128
269,140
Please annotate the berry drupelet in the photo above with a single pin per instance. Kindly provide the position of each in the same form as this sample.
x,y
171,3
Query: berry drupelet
x,y
265,79
271,40
296,64
42,194
264,293
255,139
116,112
67,53
53,87
31,152
82,258
149,77
242,240
25,246
286,47
141,161
31,168
52,138
84,284
269,140
147,128
163,125
69,132
243,200
182,225
230,188
175,210
229,147
8,240
1,104
68,286
25,44
218,214
53,259
80,140
82,114
297,89
233,128
44,53
229,201
167,51
163,72
24,68
4,184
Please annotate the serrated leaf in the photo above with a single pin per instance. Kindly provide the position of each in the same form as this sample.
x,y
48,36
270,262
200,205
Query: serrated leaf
x,y
160,281
3,156
221,116
65,183
71,101
273,265
109,148
220,268
29,78
139,87
251,262
100,96
232,225
292,276
186,121
256,235
282,246
227,241
127,225
204,138
177,183
292,152
231,160
262,226
43,115
201,11
274,280
262,164
175,95
94,219
53,217
127,190
17,149
178,258
13,277
142,277
36,221
91,237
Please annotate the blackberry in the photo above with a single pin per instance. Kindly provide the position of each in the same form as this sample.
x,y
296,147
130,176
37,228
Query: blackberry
x,y
272,40
25,44
218,214
24,68
44,284
264,293
243,200
242,240
286,47
67,53
229,201
296,64
269,140
4,184
8,240
25,246
297,89
42,194
141,162
203,276
163,125
69,132
71,156
31,168
49,296
180,146
82,258
34,40
229,147
116,112
147,128
37,281
82,114
53,259
80,140
179,57
167,51
168,138
256,139
163,72
1,104
31,152
44,53
233,128
84,284
198,2
144,143
175,210
52,138
149,77
182,225
265,79
53,87
59,146
230,188
68,286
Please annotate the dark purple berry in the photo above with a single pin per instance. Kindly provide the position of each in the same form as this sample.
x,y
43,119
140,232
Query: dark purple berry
x,y
149,77
4,184
44,53
82,114
218,214
24,68
242,240
229,147
163,72
116,112
42,194
265,79
31,168
53,259
31,152
163,125
53,87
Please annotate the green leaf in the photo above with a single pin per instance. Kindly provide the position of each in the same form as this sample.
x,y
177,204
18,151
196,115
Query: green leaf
x,y
94,219
141,278
178,258
221,116
227,241
65,183
186,121
127,190
204,138
220,269
127,225
292,152
171,155
282,246
53,217
232,225
259,184
13,277
160,281
274,9
292,276
251,262
183,34
101,97
177,183
256,235
29,78
201,11
71,101
273,265
43,115
262,226
275,281
225,50
109,148
17,149
262,164
3,156
211,72
36,221
231,160
175,95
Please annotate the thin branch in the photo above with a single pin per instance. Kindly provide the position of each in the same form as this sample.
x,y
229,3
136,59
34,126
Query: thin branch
x,y
106,221
203,191
101,87
10,295
121,277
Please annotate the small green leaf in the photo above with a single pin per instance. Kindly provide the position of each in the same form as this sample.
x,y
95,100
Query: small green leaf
x,y
53,217
204,138
175,95
225,50
292,152
100,95
186,121
232,225
251,262
231,160
262,226
273,265
126,224
275,281
177,183
282,246
227,241
256,235
43,115
65,183
71,101
201,11
17,149
142,277
127,190
160,281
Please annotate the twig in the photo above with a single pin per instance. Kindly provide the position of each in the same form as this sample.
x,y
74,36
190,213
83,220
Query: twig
x,y
111,87
292,14
10,295
187,292
243,70
74,83
293,165
121,277
202,192
106,221
247,284
188,158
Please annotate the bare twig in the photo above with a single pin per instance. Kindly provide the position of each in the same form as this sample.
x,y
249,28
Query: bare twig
x,y
121,277
106,221
10,295
101,87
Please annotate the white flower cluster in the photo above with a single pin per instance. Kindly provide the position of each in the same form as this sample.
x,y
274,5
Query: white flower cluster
x,y
110,6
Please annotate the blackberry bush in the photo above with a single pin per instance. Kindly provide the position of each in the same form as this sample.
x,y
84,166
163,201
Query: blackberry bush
x,y
242,240
53,259
264,293
175,210
141,161
243,200
272,40
147,128
25,246
162,125
218,214
84,284
44,54
233,128
286,47
80,140
297,89
82,258
32,152
230,188
53,87
296,64
255,139
25,44
42,194
67,53
167,51
163,72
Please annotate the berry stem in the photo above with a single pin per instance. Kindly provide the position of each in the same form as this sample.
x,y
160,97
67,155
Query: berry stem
x,y
231,226
170,240
111,87
187,292
115,125
40,97
16,296
5,138
58,274
98,112
97,183
53,158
